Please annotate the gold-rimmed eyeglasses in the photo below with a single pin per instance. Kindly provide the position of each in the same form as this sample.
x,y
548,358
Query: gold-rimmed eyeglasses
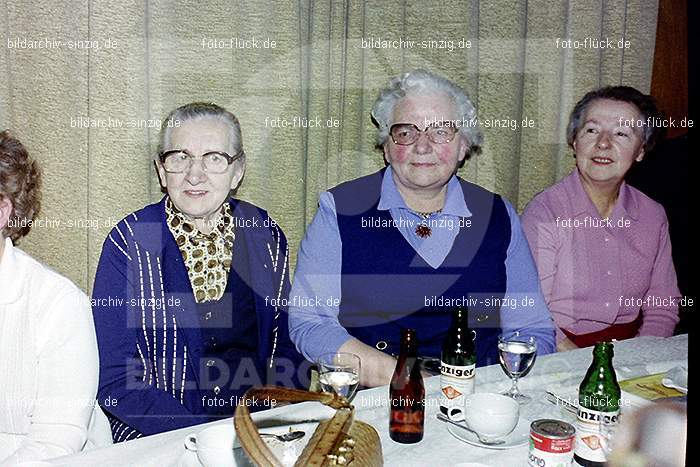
x,y
180,160
408,133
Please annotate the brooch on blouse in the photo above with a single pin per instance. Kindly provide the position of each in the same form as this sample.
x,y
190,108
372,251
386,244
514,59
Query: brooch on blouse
x,y
423,230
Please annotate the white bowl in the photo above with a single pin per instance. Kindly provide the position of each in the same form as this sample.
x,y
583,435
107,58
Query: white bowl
x,y
491,415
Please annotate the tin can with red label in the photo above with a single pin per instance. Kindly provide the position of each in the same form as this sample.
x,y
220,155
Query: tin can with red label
x,y
551,443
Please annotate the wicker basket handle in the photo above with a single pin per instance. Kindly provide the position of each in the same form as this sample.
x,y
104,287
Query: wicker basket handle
x,y
323,443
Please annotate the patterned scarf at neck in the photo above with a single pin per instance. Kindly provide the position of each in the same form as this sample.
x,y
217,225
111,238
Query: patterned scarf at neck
x,y
207,257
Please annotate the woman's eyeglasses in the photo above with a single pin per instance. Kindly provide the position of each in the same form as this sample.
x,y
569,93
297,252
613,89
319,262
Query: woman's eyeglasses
x,y
180,160
407,133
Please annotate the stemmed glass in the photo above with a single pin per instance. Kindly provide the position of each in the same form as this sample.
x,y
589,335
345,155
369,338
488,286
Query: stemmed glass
x,y
339,372
517,355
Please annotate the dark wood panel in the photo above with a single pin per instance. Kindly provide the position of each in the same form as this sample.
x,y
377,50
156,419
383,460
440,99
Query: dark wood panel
x,y
669,82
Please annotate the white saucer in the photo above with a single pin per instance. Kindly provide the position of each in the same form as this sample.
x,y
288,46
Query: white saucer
x,y
285,452
520,436
188,459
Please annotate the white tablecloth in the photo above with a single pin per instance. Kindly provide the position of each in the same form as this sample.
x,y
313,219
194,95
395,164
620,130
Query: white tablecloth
x,y
556,372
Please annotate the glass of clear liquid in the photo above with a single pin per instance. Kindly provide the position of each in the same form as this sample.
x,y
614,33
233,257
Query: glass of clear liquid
x,y
339,372
516,354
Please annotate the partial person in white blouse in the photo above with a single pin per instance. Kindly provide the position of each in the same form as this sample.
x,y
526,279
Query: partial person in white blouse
x,y
48,350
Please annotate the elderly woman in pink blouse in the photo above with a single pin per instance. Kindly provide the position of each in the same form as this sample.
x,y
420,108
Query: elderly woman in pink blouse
x,y
602,248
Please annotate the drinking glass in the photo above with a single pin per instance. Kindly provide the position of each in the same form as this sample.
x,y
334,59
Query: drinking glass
x,y
517,355
339,372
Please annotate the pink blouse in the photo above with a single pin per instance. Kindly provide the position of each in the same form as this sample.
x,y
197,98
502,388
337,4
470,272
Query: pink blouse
x,y
598,272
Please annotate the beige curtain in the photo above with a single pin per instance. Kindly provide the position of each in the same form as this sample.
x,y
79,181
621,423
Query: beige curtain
x,y
124,65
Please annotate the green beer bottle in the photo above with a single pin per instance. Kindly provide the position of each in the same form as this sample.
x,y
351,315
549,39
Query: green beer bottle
x,y
598,403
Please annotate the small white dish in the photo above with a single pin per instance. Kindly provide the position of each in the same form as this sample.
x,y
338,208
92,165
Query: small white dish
x,y
285,452
520,436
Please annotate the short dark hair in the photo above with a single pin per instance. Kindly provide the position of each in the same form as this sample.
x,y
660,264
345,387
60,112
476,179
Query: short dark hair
x,y
20,182
645,104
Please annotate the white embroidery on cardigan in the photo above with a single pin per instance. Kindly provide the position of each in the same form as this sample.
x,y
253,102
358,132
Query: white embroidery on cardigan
x,y
165,321
121,234
153,319
274,258
119,435
128,435
143,361
120,248
148,369
114,425
279,291
143,310
130,231
184,367
175,352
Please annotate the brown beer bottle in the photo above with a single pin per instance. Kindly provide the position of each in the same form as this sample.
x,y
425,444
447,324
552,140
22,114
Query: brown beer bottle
x,y
407,393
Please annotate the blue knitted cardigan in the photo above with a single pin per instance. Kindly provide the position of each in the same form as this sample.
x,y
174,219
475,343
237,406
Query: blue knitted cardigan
x,y
147,324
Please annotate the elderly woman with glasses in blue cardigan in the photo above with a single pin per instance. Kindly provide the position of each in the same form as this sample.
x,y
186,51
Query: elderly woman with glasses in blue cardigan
x,y
187,292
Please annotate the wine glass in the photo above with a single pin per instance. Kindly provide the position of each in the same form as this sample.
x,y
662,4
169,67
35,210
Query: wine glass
x,y
339,372
517,355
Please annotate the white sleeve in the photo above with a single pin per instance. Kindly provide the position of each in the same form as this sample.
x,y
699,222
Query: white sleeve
x,y
68,377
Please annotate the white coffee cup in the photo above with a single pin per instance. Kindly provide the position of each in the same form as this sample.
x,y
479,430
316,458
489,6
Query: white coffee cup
x,y
492,416
214,445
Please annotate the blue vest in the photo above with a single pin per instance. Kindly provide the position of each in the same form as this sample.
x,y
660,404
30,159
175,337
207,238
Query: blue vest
x,y
387,286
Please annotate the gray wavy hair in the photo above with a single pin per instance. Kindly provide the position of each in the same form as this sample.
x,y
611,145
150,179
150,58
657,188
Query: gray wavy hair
x,y
198,111
422,81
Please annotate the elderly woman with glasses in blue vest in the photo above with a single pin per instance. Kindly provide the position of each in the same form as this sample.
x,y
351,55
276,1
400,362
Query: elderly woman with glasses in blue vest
x,y
402,247
185,292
